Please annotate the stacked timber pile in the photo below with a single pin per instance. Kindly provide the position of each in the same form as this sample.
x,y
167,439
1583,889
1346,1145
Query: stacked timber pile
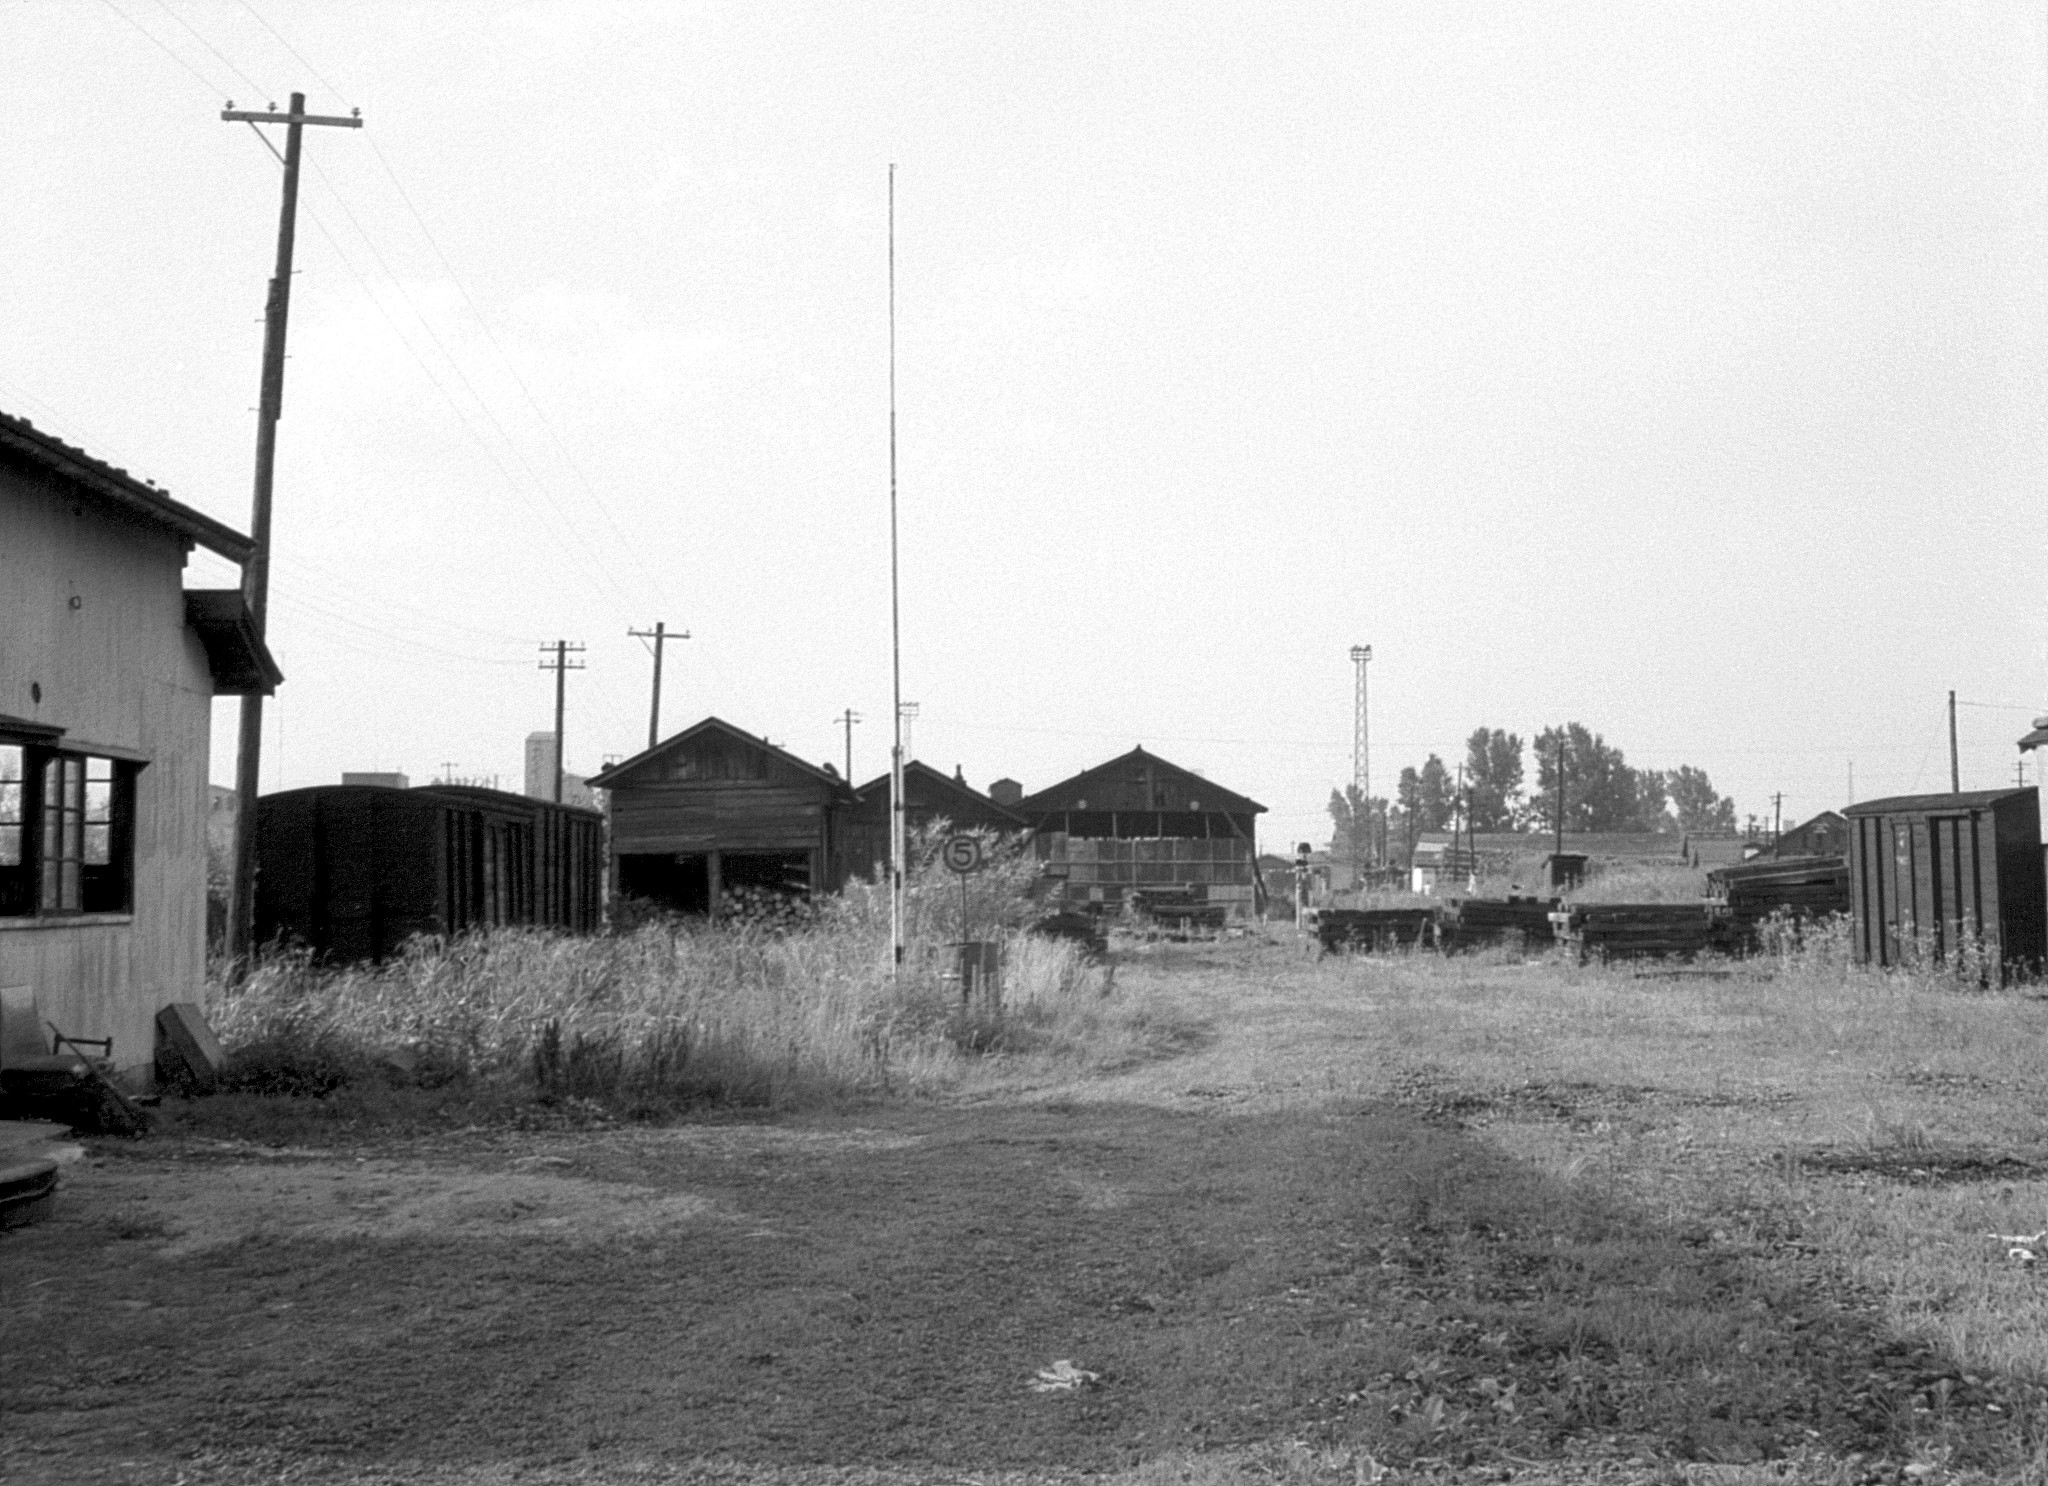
x,y
1473,921
1375,928
1618,931
1803,887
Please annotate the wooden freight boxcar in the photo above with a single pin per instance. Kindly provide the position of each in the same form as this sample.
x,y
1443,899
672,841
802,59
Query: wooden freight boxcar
x,y
1937,877
353,871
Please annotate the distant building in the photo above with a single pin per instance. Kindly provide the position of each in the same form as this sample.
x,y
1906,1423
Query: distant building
x,y
1825,835
540,775
1139,826
380,781
928,796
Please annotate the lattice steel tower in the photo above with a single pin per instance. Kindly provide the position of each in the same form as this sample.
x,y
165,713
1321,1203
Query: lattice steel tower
x,y
1361,744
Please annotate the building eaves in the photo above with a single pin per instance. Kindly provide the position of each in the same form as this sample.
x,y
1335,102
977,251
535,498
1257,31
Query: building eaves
x,y
120,488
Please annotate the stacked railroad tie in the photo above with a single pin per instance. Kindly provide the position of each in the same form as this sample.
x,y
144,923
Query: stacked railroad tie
x,y
1375,928
1468,922
1801,887
1620,931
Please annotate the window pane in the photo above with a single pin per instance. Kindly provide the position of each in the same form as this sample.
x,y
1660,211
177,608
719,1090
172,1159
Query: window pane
x,y
10,802
10,763
98,845
74,835
70,900
10,846
97,768
50,883
99,800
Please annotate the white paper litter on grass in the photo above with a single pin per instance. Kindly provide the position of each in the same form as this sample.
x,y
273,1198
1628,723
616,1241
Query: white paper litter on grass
x,y
1063,1377
2019,1247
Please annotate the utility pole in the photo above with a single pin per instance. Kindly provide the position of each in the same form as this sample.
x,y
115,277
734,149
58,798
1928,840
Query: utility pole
x,y
1559,848
241,928
908,712
561,665
1955,768
847,720
1778,816
898,848
1361,758
447,771
657,635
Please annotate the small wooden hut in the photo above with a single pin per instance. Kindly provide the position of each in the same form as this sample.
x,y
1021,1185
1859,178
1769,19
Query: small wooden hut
x,y
713,809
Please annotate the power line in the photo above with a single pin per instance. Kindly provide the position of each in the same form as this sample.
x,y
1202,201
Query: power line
x,y
151,38
483,406
626,545
163,6
595,567
313,71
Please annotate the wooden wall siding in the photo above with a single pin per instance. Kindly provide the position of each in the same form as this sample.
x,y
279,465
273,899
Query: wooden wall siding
x,y
681,819
715,757
354,871
1929,875
120,669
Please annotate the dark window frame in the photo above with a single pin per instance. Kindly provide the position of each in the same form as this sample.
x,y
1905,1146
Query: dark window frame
x,y
37,888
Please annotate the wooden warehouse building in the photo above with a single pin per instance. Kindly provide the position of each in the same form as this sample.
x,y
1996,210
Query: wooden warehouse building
x,y
928,797
1140,826
108,670
352,871
713,809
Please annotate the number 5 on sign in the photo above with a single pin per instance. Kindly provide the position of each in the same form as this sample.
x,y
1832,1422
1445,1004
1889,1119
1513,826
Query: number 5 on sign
x,y
962,854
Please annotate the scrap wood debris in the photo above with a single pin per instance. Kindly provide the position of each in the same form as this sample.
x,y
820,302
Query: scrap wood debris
x,y
1063,1377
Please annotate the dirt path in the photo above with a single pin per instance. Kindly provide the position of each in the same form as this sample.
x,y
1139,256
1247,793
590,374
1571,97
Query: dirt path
x,y
1242,1253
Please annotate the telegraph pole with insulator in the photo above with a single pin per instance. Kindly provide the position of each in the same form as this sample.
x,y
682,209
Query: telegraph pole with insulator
x,y
241,927
658,634
561,665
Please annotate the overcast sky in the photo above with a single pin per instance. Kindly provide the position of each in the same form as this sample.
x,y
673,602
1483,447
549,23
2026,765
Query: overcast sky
x,y
1678,369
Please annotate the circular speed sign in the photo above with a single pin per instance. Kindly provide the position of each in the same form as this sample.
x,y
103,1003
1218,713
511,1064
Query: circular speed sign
x,y
962,854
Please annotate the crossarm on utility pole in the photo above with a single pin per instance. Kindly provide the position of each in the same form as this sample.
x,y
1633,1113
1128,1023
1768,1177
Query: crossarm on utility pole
x,y
241,926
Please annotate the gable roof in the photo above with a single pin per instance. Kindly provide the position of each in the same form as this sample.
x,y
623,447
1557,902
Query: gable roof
x,y
944,785
1122,784
609,778
23,439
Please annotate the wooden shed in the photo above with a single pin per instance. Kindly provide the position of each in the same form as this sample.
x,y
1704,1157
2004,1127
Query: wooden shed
x,y
1934,876
1139,826
352,871
928,796
713,809
108,671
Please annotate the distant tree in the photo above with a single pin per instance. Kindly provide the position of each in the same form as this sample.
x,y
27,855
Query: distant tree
x,y
1433,792
1601,791
1696,803
1493,774
1351,823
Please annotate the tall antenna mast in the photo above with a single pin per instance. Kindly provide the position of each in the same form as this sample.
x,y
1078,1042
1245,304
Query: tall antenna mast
x,y
1361,758
896,816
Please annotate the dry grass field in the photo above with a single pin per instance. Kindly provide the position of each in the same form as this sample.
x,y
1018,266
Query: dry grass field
x,y
1373,1219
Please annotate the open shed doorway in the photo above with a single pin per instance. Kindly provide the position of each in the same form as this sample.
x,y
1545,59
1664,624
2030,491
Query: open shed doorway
x,y
687,883
680,884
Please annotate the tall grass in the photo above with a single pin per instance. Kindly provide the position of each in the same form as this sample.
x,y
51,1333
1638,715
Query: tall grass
x,y
768,1012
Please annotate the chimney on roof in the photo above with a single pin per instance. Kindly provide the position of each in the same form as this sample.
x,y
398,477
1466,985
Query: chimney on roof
x,y
959,775
1006,792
